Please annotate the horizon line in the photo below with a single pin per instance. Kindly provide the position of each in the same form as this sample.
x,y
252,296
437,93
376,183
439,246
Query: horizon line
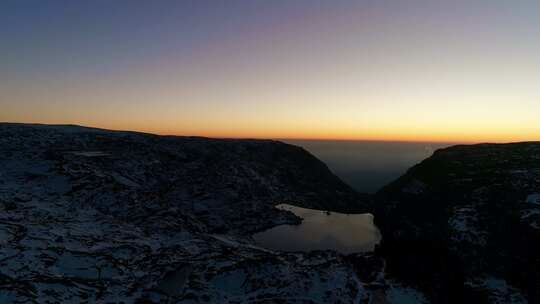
x,y
278,138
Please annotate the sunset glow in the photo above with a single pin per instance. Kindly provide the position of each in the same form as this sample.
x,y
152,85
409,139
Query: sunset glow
x,y
459,71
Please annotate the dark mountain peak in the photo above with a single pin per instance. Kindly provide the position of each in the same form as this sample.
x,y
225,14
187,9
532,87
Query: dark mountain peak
x,y
466,217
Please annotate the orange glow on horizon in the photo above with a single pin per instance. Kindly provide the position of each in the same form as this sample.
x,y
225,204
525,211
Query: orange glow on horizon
x,y
450,71
458,136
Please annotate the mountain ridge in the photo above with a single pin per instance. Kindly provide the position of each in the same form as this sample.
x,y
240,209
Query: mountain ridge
x,y
102,216
461,219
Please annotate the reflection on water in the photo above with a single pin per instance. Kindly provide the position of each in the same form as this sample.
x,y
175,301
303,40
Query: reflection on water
x,y
368,165
320,231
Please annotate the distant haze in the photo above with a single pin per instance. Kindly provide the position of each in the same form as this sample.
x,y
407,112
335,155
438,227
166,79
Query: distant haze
x,y
367,166
463,70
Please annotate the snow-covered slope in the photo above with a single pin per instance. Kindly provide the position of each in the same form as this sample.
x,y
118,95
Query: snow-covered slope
x,y
106,216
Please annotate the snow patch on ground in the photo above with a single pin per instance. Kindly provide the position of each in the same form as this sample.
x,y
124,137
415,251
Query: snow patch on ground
x,y
464,225
398,294
91,153
529,213
533,199
500,292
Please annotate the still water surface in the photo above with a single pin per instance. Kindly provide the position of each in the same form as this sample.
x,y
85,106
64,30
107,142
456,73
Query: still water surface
x,y
345,233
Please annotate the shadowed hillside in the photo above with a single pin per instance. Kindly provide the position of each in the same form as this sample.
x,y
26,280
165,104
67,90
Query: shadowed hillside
x,y
465,224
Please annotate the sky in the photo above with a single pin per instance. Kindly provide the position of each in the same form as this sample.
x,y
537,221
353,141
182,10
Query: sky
x,y
414,70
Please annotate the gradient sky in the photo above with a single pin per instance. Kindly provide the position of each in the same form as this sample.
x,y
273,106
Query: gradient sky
x,y
461,70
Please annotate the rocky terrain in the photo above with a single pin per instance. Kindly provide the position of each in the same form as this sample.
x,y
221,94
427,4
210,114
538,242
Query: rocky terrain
x,y
464,225
96,216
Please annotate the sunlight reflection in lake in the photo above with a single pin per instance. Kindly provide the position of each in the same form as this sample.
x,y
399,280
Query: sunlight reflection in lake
x,y
319,230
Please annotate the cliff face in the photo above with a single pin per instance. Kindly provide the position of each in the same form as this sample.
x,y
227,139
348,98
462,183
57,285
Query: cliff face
x,y
88,214
464,224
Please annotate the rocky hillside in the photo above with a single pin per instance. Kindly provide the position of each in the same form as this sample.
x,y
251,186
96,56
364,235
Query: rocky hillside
x,y
104,216
90,215
464,225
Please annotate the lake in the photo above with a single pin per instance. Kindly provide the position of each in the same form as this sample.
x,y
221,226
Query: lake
x,y
320,230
